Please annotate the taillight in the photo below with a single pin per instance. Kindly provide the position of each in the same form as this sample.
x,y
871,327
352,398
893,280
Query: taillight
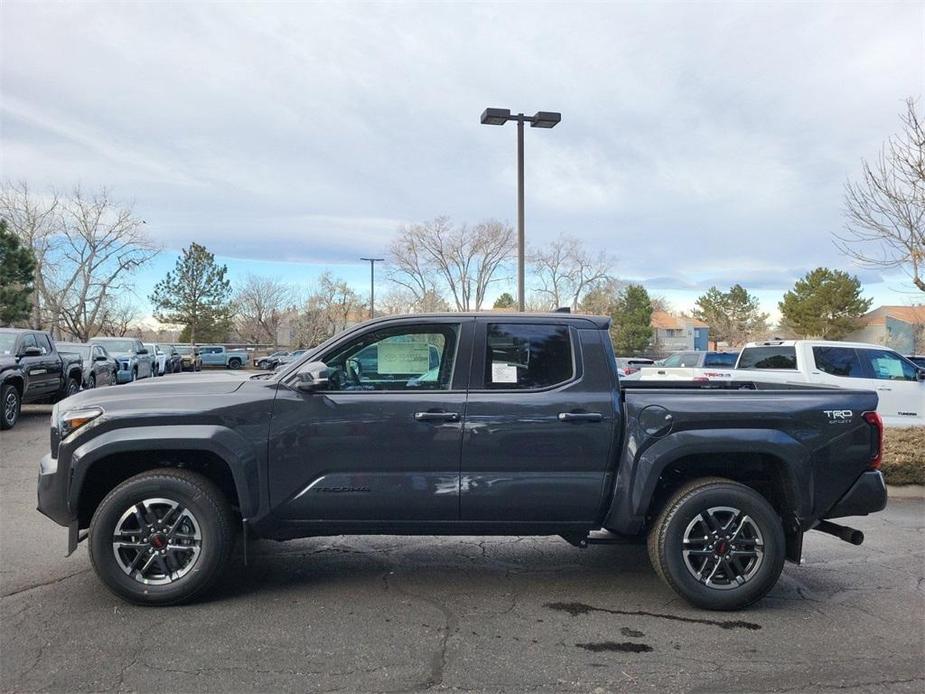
x,y
875,421
630,370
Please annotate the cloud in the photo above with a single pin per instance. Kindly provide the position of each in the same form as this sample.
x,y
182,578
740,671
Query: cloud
x,y
699,143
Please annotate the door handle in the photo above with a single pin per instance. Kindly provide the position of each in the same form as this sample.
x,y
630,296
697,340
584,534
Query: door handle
x,y
436,416
884,388
581,417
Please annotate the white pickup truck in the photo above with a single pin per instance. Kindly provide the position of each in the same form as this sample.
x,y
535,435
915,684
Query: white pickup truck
x,y
898,382
687,366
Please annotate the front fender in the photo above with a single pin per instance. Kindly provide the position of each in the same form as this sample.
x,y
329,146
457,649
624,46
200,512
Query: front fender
x,y
238,453
641,466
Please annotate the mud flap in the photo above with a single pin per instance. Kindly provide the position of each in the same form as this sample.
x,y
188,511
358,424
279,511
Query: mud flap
x,y
75,537
793,547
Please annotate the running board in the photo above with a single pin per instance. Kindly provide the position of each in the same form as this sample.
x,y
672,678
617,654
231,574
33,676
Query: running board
x,y
601,537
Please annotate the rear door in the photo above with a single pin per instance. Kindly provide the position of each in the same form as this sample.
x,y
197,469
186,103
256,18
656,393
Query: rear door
x,y
380,443
539,423
52,362
902,394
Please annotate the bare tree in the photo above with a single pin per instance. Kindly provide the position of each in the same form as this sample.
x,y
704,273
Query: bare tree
x,y
885,210
118,316
36,220
330,308
428,258
565,271
261,304
102,244
399,300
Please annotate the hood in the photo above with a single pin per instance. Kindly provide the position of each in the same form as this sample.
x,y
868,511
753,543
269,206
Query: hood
x,y
169,388
8,362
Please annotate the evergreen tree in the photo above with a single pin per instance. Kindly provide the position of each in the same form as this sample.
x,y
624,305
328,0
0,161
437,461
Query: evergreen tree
x,y
195,294
824,303
734,316
631,331
17,273
505,301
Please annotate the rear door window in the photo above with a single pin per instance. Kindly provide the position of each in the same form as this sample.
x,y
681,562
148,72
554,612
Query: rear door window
x,y
771,357
838,361
522,356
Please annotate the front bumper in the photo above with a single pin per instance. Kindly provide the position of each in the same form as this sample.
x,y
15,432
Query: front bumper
x,y
867,495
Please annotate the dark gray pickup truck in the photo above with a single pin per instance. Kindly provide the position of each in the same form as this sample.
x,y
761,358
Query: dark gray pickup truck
x,y
32,370
518,426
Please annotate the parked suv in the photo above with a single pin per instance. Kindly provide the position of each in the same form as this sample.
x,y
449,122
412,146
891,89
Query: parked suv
x,y
32,370
190,359
131,355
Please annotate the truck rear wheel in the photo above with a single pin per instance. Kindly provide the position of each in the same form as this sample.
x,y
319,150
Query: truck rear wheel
x,y
718,544
161,537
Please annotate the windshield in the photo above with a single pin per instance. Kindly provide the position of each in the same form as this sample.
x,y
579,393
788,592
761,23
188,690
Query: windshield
x,y
119,345
184,350
7,343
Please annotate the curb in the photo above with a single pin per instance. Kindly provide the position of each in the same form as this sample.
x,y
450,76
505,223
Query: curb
x,y
906,491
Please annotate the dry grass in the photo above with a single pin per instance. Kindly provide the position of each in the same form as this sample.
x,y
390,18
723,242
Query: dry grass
x,y
904,455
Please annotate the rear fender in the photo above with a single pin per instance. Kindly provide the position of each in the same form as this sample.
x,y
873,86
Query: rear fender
x,y
637,477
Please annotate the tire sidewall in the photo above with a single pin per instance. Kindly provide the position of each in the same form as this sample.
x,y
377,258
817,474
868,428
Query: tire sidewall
x,y
4,394
212,554
91,382
760,512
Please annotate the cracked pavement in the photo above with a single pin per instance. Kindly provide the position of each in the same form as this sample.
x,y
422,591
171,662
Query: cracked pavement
x,y
392,614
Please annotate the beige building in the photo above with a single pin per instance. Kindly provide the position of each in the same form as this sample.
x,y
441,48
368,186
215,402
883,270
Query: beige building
x,y
899,327
673,333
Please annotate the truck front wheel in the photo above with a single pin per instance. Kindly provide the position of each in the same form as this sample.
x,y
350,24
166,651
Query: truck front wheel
x,y
234,363
161,537
10,404
718,544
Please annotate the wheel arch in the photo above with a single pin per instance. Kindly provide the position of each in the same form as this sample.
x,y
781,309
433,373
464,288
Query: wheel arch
x,y
217,453
769,461
17,381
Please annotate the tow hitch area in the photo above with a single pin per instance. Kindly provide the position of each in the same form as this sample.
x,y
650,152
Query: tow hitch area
x,y
842,532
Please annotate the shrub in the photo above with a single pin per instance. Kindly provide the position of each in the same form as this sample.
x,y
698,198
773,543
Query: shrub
x,y
904,455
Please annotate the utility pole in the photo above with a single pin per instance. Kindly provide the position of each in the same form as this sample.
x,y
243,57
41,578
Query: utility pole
x,y
372,284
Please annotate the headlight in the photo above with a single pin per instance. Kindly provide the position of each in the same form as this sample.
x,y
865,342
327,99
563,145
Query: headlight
x,y
72,420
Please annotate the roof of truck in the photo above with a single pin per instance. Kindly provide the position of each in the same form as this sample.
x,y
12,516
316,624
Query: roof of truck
x,y
599,322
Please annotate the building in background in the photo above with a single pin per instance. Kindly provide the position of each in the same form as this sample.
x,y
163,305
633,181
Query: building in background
x,y
672,333
898,327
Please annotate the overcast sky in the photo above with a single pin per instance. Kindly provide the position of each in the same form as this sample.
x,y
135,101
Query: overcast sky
x,y
699,143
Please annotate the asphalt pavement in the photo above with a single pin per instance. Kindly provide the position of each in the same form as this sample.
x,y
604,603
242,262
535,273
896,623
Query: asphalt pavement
x,y
394,614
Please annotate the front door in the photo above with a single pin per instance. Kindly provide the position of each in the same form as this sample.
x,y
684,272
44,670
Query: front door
x,y
540,424
381,442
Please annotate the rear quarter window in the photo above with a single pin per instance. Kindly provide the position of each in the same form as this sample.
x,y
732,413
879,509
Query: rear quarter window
x,y
777,357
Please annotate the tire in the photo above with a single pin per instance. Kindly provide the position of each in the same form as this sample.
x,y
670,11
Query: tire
x,y
71,388
234,363
197,367
91,381
134,375
170,576
738,565
10,406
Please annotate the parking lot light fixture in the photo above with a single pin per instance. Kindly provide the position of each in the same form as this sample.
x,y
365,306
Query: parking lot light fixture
x,y
541,119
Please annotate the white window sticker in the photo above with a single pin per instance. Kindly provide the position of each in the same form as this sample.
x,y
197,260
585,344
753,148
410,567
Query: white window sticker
x,y
502,372
403,358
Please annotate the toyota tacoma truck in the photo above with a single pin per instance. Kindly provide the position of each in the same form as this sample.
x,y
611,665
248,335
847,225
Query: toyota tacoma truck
x,y
522,427
32,370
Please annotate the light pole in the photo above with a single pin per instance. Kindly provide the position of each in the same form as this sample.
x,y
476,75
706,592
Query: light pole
x,y
542,119
372,284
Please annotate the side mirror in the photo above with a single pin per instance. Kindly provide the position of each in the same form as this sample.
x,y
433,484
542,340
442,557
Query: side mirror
x,y
143,350
32,352
922,374
313,376
99,357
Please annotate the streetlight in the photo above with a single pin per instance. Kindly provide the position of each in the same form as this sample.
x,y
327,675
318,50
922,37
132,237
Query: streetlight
x,y
542,119
372,284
